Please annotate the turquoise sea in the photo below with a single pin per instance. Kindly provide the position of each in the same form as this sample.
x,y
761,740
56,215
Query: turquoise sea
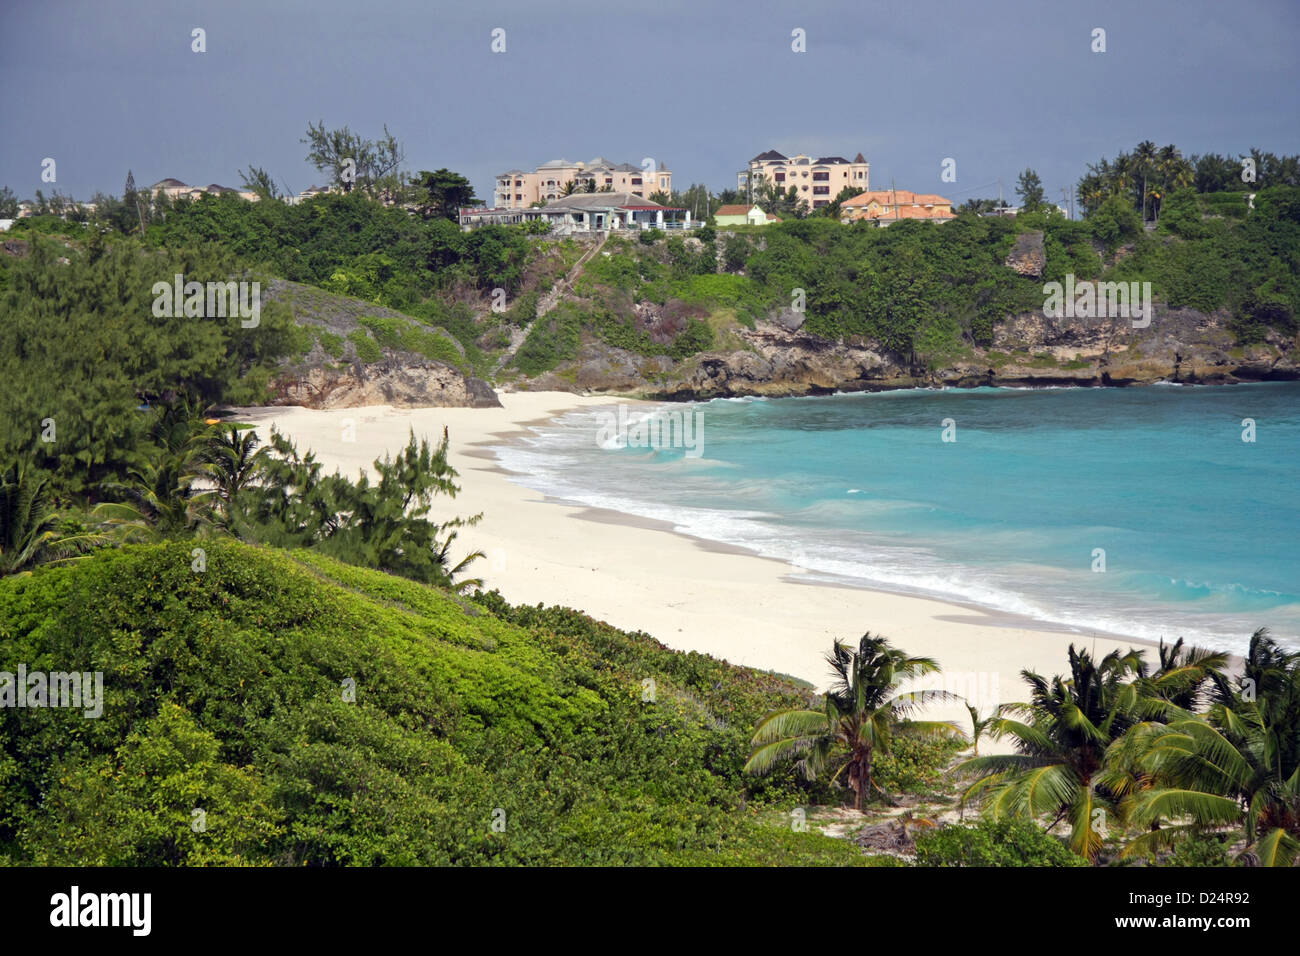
x,y
1198,527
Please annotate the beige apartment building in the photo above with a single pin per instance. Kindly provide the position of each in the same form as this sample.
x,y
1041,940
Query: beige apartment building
x,y
817,181
175,189
519,189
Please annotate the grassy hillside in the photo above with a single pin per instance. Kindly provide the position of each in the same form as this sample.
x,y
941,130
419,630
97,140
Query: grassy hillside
x,y
225,692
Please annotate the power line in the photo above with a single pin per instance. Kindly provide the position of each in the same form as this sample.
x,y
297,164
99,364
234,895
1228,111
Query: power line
x,y
974,188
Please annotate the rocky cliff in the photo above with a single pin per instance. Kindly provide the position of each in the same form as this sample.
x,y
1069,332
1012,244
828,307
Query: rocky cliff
x,y
779,358
318,378
399,381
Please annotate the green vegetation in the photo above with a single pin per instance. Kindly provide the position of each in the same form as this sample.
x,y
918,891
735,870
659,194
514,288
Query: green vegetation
x,y
351,244
861,715
552,339
1182,764
993,843
724,292
926,295
477,733
1145,177
409,337
81,351
192,478
1156,758
331,343
368,349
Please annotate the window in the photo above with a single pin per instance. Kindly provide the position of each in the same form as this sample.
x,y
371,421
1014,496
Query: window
x,y
821,177
518,196
780,177
636,180
821,190
663,182
821,202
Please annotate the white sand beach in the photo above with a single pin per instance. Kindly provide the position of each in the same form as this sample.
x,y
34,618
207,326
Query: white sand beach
x,y
639,575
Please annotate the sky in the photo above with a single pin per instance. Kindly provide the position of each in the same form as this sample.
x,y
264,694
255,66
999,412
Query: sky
x,y
103,86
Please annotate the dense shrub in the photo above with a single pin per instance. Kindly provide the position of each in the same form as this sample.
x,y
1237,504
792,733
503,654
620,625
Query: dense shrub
x,y
80,344
993,843
915,764
1115,222
1208,850
227,691
331,343
367,348
552,339
401,334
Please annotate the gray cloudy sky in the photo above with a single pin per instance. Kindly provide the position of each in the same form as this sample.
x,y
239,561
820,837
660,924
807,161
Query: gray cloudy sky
x,y
106,85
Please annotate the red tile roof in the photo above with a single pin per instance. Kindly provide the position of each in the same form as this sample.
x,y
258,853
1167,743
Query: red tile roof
x,y
888,197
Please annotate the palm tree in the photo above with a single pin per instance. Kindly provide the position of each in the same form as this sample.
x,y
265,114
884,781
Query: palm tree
x,y
569,189
230,461
442,559
31,531
1144,159
158,501
1174,172
1122,178
1070,722
1184,676
978,725
862,712
159,498
1238,765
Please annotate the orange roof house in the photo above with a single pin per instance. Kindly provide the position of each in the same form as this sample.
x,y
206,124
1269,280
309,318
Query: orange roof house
x,y
885,206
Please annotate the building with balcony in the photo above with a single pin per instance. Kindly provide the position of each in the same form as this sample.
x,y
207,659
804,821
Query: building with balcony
x,y
519,189
586,213
816,181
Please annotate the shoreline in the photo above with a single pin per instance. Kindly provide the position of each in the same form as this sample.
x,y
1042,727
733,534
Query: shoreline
x,y
976,614
689,594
